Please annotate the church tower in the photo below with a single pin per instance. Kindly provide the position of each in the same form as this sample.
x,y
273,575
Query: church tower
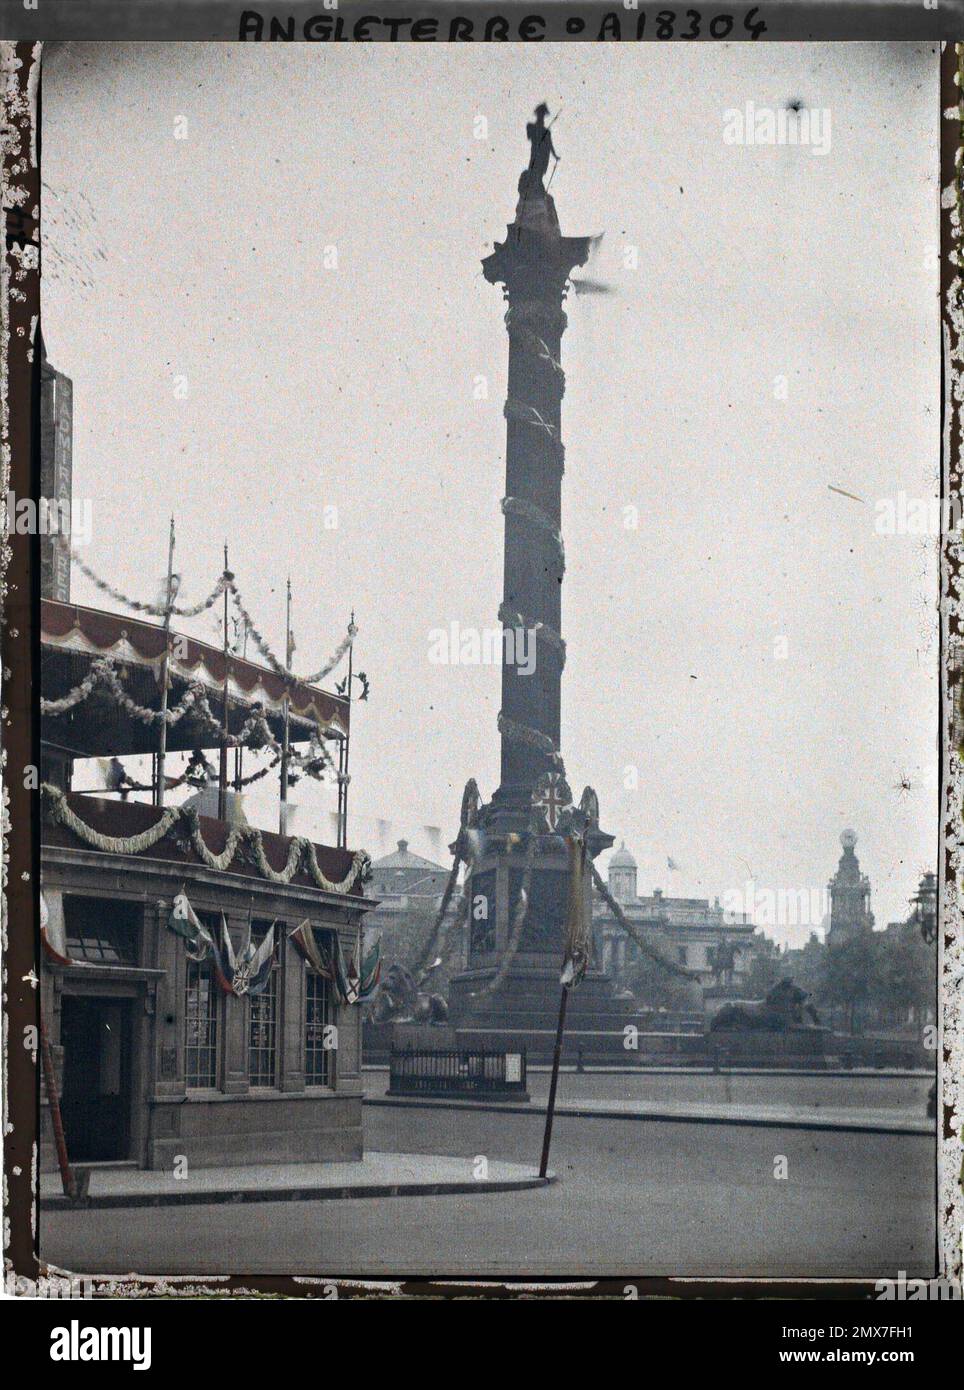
x,y
849,890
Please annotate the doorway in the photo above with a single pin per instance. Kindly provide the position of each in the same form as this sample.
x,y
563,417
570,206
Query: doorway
x,y
96,1101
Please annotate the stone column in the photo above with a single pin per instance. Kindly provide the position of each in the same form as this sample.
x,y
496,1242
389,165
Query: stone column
x,y
533,265
292,1021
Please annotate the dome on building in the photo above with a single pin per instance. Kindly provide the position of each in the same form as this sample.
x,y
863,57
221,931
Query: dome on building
x,y
848,838
622,859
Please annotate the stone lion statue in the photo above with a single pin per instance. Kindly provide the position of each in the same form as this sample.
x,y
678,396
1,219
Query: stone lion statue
x,y
786,1006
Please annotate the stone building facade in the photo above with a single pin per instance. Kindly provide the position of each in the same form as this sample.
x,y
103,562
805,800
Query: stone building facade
x,y
154,1060
690,930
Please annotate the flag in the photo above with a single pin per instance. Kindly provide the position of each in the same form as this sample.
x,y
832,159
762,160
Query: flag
x,y
53,935
578,952
183,921
320,948
312,952
363,972
248,971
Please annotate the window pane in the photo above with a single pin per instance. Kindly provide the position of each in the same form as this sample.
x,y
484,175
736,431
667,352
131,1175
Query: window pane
x,y
319,1068
201,1027
263,1022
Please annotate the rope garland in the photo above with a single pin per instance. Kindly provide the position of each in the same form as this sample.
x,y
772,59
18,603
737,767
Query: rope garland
x,y
522,733
254,733
103,672
157,610
645,946
461,853
519,917
509,618
226,582
301,852
518,506
277,666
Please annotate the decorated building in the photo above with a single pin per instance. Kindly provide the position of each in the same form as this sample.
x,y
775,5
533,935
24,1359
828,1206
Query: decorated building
x,y
201,978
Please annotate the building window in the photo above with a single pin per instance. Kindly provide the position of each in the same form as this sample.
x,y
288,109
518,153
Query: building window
x,y
319,1060
681,952
102,931
263,1022
201,1022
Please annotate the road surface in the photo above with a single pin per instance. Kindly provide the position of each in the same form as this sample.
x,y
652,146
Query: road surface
x,y
632,1197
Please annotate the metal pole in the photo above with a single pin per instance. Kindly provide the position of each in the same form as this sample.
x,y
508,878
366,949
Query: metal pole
x,y
556,1058
53,1099
239,751
223,761
283,809
162,751
347,745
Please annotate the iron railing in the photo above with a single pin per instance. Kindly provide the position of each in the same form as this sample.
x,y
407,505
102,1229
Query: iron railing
x,y
462,1071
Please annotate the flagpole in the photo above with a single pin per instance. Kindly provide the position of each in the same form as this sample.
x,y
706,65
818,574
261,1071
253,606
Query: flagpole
x,y
556,1058
576,905
56,1120
223,761
343,782
162,751
239,751
283,809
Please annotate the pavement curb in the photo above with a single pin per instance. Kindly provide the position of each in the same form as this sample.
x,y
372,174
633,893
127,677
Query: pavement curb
x,y
308,1193
667,1117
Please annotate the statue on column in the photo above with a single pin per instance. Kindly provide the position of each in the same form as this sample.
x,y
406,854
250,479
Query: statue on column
x,y
535,204
539,136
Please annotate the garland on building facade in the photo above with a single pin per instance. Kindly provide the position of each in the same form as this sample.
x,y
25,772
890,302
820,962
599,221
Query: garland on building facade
x,y
255,733
246,838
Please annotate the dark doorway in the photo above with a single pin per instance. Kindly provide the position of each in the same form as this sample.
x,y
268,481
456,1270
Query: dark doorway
x,y
96,1100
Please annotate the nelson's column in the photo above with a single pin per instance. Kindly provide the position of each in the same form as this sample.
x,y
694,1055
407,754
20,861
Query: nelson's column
x,y
518,886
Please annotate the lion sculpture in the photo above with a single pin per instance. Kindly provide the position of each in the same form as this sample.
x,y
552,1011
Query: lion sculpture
x,y
786,1006
401,1001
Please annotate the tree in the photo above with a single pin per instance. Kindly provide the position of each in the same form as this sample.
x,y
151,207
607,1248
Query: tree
x,y
657,988
906,976
765,968
848,974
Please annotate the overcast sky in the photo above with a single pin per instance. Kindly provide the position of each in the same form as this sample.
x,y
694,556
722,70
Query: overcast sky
x,y
355,387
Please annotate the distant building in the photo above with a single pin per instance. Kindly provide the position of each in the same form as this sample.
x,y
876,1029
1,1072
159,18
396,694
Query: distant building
x,y
56,447
408,889
849,891
403,880
691,930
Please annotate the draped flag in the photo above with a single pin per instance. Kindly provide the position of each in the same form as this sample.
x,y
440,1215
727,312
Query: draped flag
x,y
312,951
183,921
248,971
363,972
578,952
53,935
321,950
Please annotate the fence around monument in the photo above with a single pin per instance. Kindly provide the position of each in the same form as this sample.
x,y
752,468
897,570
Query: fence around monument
x,y
457,1071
